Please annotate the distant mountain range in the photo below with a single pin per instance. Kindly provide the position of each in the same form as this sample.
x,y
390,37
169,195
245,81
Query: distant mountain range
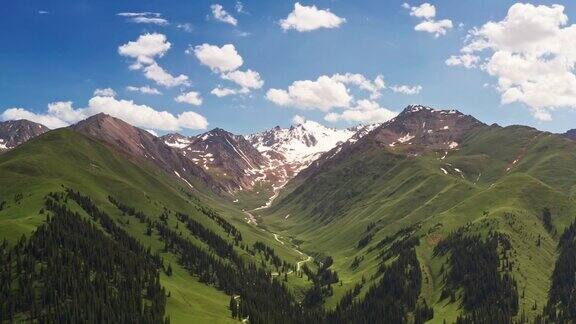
x,y
229,162
571,134
16,132
433,215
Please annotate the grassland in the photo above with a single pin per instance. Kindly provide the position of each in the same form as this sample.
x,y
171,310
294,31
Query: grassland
x,y
66,158
499,178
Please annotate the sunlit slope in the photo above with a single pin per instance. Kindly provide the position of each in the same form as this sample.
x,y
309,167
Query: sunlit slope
x,y
64,158
503,177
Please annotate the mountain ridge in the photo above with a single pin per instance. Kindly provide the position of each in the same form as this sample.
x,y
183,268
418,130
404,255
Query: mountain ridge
x,y
17,132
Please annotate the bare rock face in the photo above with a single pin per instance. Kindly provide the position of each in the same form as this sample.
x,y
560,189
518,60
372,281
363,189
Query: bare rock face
x,y
419,128
17,132
230,159
141,145
271,157
416,130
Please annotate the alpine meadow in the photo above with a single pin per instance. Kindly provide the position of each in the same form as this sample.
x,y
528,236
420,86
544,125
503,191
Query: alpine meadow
x,y
288,162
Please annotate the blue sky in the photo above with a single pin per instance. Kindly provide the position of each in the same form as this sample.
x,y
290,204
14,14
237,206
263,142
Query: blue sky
x,y
57,52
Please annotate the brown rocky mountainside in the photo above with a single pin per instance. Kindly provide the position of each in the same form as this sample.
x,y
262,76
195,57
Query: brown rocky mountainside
x,y
227,157
140,144
17,132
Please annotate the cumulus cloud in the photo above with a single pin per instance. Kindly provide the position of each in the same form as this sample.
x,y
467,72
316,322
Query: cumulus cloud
x,y
144,89
436,27
334,96
327,92
145,49
308,18
532,54
245,79
298,120
425,10
406,89
222,15
61,114
374,87
324,94
191,97
20,113
365,111
225,60
106,92
219,59
427,14
466,60
157,74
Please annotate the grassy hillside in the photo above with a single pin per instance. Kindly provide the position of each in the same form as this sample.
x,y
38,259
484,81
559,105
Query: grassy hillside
x,y
64,158
499,180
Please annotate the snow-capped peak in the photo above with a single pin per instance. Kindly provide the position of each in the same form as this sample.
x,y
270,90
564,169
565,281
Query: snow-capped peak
x,y
176,140
301,143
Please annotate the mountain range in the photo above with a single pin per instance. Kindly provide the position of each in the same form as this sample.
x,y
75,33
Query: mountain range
x,y
431,216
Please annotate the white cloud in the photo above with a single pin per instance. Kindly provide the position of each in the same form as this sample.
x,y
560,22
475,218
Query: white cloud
x,y
43,12
145,18
219,59
156,73
20,113
245,79
406,89
139,14
191,97
187,27
466,60
145,49
327,92
426,13
150,20
374,87
239,7
304,18
222,15
425,10
106,92
298,120
324,94
333,95
61,114
532,54
436,27
366,111
144,90
223,92
226,61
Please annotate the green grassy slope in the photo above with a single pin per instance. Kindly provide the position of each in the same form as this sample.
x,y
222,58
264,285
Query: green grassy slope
x,y
502,177
66,158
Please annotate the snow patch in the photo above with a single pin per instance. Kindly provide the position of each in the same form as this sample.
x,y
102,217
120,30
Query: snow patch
x,y
405,138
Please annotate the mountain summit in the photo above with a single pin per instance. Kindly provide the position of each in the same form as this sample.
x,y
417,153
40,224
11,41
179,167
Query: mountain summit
x,y
17,132
141,145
